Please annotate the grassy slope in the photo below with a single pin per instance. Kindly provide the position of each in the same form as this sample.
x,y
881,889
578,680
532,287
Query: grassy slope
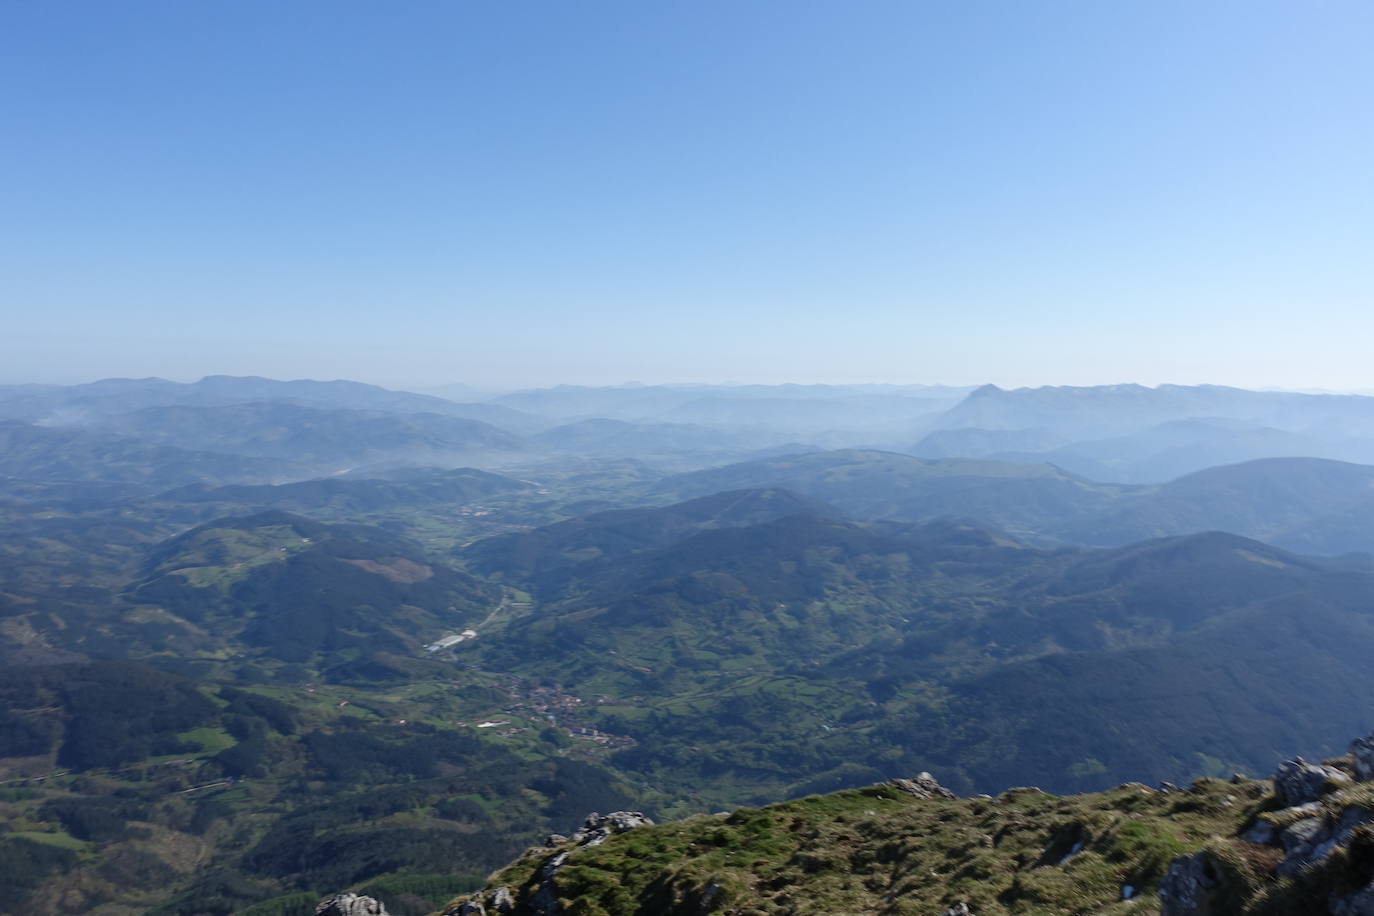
x,y
879,851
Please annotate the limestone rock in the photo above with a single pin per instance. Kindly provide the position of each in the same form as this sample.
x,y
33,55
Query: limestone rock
x,y
923,786
1188,886
1298,781
545,902
501,901
1311,840
597,828
1362,749
350,905
1301,841
1302,833
959,909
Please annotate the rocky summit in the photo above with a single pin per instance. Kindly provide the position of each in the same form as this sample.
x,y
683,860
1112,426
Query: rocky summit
x,y
1300,842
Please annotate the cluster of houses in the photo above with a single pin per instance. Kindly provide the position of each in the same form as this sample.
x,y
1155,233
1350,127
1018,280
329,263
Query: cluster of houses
x,y
606,739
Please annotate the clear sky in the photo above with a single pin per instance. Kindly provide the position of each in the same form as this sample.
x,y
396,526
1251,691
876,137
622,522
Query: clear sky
x,y
510,192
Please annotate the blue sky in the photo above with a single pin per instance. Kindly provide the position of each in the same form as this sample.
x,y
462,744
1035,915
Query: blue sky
x,y
521,193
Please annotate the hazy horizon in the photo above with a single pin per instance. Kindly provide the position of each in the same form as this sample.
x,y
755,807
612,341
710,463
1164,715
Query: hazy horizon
x,y
482,391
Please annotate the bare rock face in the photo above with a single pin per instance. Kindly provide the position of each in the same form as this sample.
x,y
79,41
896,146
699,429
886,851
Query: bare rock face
x,y
545,900
1189,886
1362,749
501,901
923,786
597,828
1298,782
350,905
1301,841
1312,840
498,901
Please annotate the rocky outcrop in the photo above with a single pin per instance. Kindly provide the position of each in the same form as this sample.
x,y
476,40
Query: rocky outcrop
x,y
1311,827
1312,839
545,902
598,827
1350,899
501,901
350,905
1315,821
595,830
923,786
1189,886
1362,749
1301,841
959,909
1298,782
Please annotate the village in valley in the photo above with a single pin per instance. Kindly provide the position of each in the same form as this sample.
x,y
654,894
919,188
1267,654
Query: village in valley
x,y
550,707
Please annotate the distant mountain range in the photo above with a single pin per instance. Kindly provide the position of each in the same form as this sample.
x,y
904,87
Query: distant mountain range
x,y
1133,434
1109,434
658,402
618,533
1016,496
72,404
44,457
343,496
603,437
316,436
1117,409
1309,505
